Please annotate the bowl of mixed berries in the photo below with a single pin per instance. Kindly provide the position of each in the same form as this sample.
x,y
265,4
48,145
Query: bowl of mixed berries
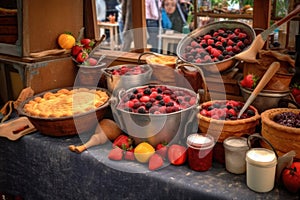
x,y
127,76
214,46
155,113
220,119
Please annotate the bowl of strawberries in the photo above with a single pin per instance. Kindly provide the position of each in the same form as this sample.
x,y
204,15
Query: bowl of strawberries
x,y
214,46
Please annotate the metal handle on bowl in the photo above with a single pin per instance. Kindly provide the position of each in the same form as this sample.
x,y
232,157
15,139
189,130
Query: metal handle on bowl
x,y
145,53
121,93
203,93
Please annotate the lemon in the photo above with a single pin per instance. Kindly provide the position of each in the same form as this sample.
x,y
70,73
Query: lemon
x,y
143,152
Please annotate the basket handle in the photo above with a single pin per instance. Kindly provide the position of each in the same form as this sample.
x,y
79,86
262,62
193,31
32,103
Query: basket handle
x,y
262,138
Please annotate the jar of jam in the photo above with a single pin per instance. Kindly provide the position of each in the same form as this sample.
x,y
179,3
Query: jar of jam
x,y
200,151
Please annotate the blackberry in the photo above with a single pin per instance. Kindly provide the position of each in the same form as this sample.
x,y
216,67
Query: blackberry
x,y
161,102
135,91
159,90
136,105
169,104
132,96
147,91
159,97
139,95
250,113
141,110
148,105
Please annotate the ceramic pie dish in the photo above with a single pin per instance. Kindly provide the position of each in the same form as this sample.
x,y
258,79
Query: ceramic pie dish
x,y
74,110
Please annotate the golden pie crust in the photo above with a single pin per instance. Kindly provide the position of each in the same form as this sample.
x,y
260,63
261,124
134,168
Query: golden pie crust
x,y
162,60
64,103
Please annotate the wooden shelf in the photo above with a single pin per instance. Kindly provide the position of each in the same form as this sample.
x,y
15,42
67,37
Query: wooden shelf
x,y
225,15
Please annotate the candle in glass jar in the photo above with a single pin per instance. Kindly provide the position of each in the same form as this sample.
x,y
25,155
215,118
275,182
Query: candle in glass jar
x,y
200,150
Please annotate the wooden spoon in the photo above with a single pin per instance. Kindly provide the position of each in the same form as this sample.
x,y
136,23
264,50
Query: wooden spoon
x,y
249,55
262,83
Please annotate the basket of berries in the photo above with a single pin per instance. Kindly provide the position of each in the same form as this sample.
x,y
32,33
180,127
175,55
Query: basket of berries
x,y
281,126
220,119
214,46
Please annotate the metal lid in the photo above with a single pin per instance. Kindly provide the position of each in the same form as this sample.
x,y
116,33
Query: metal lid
x,y
200,140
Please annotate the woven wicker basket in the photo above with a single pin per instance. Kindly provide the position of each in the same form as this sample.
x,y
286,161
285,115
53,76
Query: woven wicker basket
x,y
222,129
283,138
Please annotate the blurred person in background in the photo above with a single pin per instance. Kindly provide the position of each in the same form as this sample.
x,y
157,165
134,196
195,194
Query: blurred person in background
x,y
175,14
127,20
101,10
152,22
120,20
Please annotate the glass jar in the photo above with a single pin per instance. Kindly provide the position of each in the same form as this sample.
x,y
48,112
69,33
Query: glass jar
x,y
261,169
235,153
200,151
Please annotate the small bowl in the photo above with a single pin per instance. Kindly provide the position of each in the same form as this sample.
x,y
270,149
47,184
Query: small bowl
x,y
116,82
90,75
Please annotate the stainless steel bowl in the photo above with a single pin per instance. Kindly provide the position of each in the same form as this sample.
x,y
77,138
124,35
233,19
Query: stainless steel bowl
x,y
156,128
266,99
215,66
116,82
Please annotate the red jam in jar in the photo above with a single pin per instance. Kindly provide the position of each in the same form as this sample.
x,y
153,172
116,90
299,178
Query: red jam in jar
x,y
200,151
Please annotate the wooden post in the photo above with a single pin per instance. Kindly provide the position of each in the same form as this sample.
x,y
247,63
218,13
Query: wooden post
x,y
139,25
262,13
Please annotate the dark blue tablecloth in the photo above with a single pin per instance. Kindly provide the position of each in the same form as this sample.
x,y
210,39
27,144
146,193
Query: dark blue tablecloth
x,y
42,167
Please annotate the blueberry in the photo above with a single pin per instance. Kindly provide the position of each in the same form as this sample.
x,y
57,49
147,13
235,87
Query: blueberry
x,y
132,96
161,102
139,95
159,90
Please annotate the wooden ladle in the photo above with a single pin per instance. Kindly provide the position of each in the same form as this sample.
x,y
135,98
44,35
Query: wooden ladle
x,y
249,55
262,83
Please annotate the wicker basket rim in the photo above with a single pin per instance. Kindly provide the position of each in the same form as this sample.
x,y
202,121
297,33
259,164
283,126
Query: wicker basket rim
x,y
229,122
266,119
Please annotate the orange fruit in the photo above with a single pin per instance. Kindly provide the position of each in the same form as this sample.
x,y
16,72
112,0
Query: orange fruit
x,y
143,152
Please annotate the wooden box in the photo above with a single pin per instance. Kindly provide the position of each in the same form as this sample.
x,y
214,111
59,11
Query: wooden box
x,y
39,23
40,76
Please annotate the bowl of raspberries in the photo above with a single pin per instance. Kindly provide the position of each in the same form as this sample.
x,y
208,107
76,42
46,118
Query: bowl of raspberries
x,y
155,113
214,46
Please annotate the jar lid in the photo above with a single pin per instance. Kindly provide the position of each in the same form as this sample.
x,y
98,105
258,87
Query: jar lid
x,y
199,140
236,143
261,157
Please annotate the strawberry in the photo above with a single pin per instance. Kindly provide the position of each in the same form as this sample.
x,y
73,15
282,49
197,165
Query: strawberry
x,y
76,49
129,154
82,56
162,149
295,90
116,154
249,81
123,142
87,43
155,162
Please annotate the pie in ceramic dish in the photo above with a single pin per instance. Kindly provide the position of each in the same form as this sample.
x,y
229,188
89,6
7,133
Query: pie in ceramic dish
x,y
162,60
65,102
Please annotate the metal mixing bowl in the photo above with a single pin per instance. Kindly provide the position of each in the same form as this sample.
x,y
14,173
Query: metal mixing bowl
x,y
116,82
220,65
266,99
156,128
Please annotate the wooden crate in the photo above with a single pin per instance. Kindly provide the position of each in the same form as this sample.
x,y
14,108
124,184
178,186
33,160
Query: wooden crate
x,y
39,23
40,76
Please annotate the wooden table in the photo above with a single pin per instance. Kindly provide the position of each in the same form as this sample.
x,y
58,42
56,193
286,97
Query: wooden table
x,y
113,32
172,39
